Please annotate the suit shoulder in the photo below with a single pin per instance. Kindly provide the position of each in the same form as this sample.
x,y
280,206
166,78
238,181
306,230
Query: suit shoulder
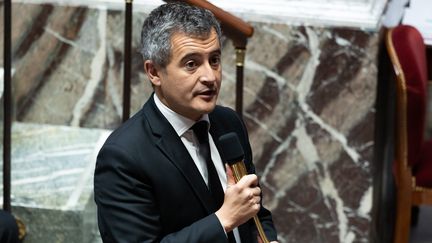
x,y
130,131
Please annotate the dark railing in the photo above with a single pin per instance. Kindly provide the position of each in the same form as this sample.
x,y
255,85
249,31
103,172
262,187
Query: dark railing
x,y
7,106
127,61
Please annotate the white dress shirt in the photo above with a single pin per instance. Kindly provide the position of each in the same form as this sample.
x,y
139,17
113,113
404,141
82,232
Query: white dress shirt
x,y
182,127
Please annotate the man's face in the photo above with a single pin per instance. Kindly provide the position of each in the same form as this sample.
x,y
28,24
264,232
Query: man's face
x,y
190,83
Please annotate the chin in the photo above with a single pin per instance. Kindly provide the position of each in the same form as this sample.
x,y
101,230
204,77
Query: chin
x,y
208,108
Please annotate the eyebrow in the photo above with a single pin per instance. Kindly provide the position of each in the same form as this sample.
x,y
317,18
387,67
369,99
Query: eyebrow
x,y
193,54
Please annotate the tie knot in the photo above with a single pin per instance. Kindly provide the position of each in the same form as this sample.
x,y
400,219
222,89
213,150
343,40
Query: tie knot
x,y
201,129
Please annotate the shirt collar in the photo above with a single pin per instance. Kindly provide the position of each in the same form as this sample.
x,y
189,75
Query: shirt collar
x,y
180,123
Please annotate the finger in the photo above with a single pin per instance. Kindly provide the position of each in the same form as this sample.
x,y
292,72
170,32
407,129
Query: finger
x,y
257,191
250,180
252,202
255,200
230,177
250,197
258,200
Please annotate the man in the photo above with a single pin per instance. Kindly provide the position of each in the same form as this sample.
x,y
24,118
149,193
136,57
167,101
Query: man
x,y
154,182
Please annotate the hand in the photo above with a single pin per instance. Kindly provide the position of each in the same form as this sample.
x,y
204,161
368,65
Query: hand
x,y
241,202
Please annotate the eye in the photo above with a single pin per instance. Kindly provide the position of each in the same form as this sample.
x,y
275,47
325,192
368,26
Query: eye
x,y
190,65
215,60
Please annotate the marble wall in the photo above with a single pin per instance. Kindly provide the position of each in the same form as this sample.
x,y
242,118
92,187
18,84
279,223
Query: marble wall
x,y
309,100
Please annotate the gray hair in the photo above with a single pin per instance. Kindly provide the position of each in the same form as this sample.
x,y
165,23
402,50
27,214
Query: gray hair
x,y
169,19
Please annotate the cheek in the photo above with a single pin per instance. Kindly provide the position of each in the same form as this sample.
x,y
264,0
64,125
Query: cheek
x,y
183,88
219,80
219,75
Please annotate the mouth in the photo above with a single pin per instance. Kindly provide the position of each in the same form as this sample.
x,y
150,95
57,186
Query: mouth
x,y
208,93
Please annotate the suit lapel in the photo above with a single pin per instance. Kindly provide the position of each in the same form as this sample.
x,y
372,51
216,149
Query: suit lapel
x,y
173,148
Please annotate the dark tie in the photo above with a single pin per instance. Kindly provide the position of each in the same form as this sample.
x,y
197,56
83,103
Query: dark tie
x,y
201,132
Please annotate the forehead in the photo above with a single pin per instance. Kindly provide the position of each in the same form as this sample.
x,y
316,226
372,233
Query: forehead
x,y
182,43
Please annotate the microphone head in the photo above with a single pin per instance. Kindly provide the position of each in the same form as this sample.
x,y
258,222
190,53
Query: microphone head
x,y
230,148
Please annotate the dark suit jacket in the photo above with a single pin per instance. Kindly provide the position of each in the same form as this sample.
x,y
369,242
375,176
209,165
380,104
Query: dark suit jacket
x,y
148,189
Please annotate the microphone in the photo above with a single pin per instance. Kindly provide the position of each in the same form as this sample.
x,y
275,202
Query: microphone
x,y
232,153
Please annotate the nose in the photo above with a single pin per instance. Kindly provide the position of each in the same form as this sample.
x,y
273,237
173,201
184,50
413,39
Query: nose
x,y
208,73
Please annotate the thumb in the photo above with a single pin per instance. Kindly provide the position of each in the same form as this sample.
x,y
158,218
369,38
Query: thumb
x,y
230,176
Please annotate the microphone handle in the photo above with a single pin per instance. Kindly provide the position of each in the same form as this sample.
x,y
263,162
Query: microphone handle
x,y
239,170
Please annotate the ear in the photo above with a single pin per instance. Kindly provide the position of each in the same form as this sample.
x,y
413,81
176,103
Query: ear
x,y
153,72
